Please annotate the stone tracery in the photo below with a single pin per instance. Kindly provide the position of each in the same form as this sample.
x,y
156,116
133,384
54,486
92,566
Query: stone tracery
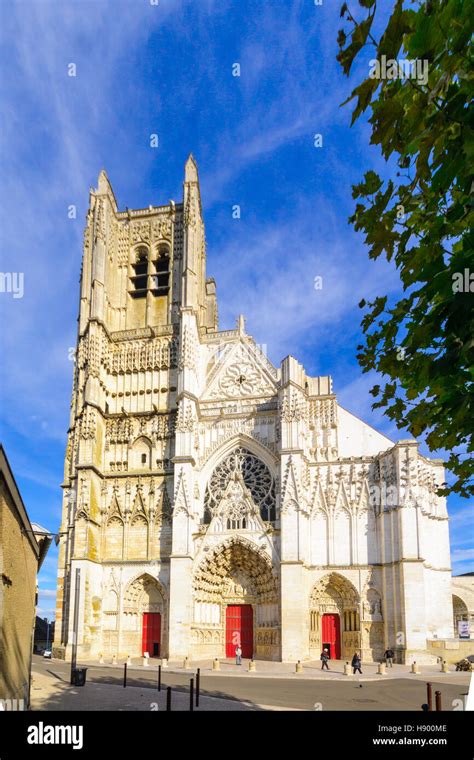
x,y
256,477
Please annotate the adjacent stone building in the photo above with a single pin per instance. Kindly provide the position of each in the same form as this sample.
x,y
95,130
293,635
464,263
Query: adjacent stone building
x,y
23,547
211,497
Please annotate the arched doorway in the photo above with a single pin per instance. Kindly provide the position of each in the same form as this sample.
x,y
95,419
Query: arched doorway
x,y
334,618
143,617
236,602
460,613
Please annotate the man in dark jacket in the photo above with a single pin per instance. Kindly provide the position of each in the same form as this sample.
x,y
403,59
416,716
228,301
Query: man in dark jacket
x,y
324,659
356,663
388,654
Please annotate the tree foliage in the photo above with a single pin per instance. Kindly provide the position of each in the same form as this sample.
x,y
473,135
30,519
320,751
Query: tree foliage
x,y
421,218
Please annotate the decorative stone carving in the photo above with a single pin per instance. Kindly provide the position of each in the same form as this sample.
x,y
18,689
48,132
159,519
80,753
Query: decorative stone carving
x,y
230,558
293,407
254,474
140,232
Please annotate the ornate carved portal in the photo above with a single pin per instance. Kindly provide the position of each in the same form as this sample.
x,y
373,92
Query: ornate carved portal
x,y
143,597
335,595
360,617
236,573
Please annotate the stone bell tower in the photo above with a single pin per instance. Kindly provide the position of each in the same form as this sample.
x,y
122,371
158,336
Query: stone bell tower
x,y
141,270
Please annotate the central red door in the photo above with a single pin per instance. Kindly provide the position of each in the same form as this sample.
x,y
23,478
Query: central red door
x,y
151,633
331,635
239,629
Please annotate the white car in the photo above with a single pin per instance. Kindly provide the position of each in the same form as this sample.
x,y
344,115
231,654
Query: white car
x,y
47,653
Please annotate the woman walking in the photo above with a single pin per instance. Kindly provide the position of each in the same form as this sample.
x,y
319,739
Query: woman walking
x,y
356,664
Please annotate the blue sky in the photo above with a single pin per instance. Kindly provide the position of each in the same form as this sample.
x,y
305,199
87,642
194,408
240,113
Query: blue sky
x,y
166,69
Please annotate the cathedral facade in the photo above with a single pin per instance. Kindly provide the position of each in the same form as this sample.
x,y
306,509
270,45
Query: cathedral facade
x,y
212,498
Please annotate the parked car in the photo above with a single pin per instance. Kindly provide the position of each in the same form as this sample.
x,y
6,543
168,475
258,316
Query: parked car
x,y
47,653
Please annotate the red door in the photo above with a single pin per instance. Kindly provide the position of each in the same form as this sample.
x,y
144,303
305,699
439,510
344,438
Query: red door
x,y
239,629
331,635
151,633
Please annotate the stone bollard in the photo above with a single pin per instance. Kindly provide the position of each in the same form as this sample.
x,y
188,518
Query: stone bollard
x,y
216,664
145,660
114,659
347,669
299,667
129,660
444,667
164,663
101,659
186,663
252,666
381,670
415,669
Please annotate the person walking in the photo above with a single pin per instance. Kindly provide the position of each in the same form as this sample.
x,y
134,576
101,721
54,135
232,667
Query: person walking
x,y
356,663
238,655
324,659
388,654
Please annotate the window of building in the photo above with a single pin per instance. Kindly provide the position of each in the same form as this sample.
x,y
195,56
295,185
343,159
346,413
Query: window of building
x,y
139,277
160,278
257,478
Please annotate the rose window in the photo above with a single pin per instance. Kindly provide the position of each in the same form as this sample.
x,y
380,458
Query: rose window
x,y
257,479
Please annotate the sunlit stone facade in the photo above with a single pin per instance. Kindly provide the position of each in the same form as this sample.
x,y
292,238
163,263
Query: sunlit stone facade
x,y
210,495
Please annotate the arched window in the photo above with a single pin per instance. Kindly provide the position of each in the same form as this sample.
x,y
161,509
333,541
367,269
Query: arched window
x,y
160,278
256,476
141,454
139,277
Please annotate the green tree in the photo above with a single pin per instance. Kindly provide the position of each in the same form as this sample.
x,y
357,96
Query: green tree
x,y
421,217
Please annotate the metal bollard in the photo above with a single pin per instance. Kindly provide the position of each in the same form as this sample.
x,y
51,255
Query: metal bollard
x,y
168,699
198,685
438,701
159,677
191,695
429,696
124,675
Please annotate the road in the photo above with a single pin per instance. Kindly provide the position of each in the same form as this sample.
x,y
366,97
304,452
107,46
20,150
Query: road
x,y
395,694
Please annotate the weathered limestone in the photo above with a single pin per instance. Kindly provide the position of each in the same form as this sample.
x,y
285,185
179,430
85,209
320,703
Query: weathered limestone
x,y
212,498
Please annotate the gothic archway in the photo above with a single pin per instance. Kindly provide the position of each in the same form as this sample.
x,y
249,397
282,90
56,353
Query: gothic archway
x,y
334,610
460,612
236,575
144,617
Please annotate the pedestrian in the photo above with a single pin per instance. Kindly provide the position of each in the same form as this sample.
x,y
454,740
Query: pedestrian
x,y
388,654
238,655
356,663
324,659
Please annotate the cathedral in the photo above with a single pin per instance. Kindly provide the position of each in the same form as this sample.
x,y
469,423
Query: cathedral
x,y
211,498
